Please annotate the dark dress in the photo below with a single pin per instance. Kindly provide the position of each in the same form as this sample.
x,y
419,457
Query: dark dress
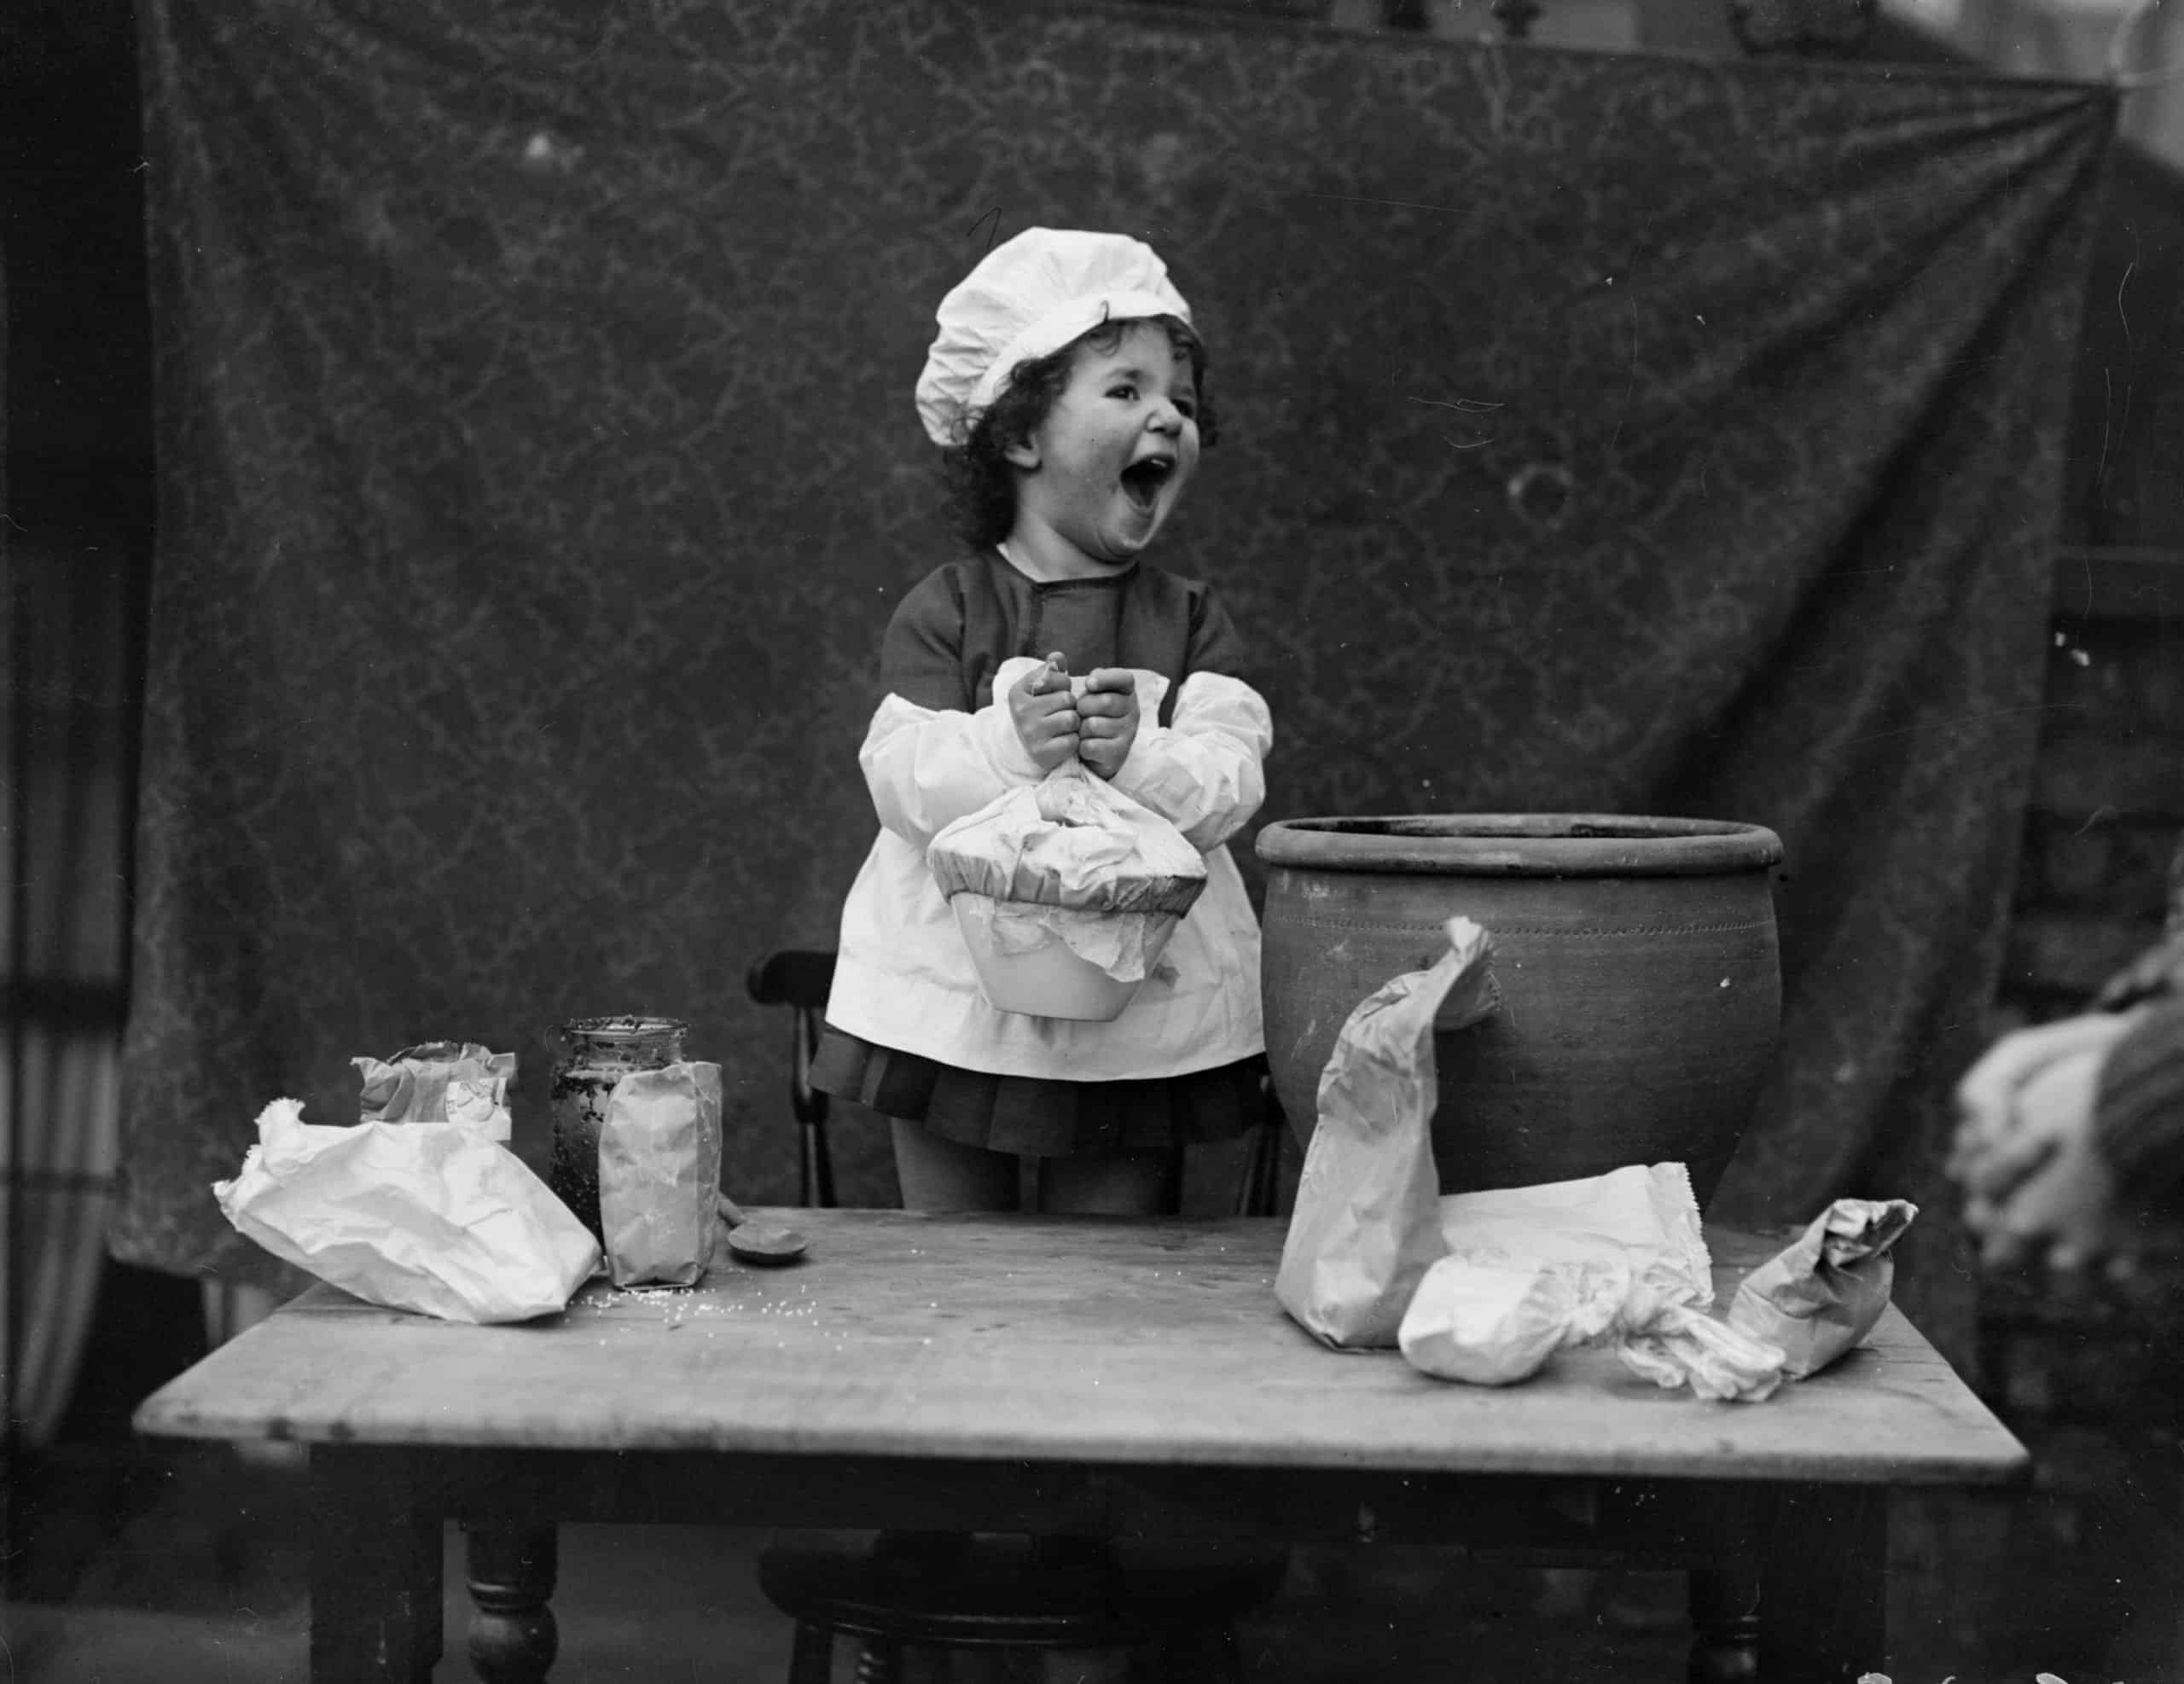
x,y
945,642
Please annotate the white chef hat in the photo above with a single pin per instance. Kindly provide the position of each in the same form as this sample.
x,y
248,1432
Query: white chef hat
x,y
1029,297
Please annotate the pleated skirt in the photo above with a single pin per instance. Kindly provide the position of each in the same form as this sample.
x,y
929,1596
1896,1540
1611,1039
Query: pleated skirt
x,y
1040,1117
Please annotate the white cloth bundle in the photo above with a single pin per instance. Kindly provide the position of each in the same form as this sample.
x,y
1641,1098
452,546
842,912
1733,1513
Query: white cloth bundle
x,y
1072,859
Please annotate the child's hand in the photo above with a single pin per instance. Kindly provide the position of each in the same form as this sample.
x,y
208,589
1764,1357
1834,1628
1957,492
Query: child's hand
x,y
1045,714
1107,711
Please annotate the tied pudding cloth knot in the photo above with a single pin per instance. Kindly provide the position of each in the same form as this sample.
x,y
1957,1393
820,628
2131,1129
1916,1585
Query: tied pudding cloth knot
x,y
1073,859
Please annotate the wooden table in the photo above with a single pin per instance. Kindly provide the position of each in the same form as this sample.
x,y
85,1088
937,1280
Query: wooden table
x,y
1086,1376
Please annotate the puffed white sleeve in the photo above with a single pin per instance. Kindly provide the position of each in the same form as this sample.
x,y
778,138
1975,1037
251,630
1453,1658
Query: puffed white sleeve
x,y
1204,771
928,767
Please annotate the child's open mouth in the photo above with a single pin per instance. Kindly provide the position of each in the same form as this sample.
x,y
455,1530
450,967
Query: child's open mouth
x,y
1143,478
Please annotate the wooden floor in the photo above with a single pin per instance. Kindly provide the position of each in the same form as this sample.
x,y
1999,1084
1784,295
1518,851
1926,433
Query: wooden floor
x,y
186,1563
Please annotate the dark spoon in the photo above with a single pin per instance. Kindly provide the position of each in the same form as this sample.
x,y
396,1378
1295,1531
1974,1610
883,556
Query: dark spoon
x,y
763,1243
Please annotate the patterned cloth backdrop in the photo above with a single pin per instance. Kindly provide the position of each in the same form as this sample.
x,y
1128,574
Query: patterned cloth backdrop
x,y
539,468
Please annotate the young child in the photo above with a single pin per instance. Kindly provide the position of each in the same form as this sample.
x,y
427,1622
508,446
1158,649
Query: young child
x,y
1066,386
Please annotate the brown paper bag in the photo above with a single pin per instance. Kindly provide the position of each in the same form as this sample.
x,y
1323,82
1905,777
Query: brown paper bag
x,y
1818,1297
1367,1224
659,1150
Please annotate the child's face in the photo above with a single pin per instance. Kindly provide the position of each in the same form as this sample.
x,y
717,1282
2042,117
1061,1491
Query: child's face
x,y
1111,460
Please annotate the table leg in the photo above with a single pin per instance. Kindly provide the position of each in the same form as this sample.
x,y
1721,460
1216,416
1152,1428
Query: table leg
x,y
513,1637
375,1565
1823,1604
812,1656
1724,1625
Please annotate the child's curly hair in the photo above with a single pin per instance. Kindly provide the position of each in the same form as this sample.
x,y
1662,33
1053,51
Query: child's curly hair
x,y
981,480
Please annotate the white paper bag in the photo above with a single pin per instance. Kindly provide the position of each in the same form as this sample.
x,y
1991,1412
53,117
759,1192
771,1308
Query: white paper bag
x,y
1643,1215
430,1217
1366,1226
659,1152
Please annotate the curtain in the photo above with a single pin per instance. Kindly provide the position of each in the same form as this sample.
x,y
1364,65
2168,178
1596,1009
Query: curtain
x,y
538,471
73,548
65,929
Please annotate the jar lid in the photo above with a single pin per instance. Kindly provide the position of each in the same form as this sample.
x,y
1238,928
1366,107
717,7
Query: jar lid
x,y
628,1027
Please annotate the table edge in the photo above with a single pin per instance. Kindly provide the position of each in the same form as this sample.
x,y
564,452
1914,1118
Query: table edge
x,y
2005,1460
2006,1466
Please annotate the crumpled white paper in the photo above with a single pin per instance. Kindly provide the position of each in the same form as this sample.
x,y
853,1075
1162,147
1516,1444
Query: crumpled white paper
x,y
659,1152
1366,1225
430,1217
1680,1344
439,1081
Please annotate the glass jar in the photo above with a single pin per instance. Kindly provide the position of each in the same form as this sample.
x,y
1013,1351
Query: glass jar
x,y
596,1053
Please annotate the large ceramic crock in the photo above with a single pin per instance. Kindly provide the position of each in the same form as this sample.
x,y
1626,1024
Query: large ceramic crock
x,y
1637,963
